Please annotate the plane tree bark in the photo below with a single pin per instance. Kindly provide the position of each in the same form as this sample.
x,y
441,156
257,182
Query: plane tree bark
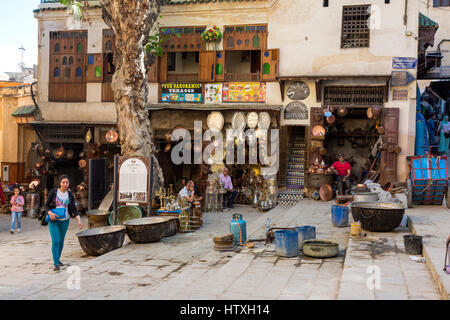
x,y
131,22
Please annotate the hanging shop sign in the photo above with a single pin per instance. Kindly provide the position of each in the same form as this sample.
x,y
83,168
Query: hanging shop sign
x,y
133,179
404,63
244,92
296,110
401,78
298,90
400,94
182,92
213,93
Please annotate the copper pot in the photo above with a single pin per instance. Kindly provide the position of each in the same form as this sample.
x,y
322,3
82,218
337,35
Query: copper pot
x,y
397,149
111,136
69,154
331,119
381,130
342,111
82,163
322,151
376,110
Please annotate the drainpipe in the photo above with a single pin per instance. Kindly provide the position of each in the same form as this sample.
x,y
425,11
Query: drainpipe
x,y
405,16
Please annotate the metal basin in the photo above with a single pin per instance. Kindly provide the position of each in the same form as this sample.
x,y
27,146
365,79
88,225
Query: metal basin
x,y
365,197
98,241
378,216
320,248
98,215
150,229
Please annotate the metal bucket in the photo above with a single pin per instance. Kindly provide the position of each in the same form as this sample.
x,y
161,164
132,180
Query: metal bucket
x,y
413,244
33,204
365,197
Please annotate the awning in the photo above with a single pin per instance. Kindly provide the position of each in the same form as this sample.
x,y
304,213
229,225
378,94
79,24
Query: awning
x,y
24,111
215,107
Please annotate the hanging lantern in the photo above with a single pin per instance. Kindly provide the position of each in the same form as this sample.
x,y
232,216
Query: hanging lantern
x,y
88,136
342,111
111,136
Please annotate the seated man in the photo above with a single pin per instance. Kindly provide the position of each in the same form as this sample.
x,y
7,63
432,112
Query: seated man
x,y
343,169
228,185
187,193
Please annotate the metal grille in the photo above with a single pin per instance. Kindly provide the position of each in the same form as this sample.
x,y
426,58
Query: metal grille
x,y
355,26
354,95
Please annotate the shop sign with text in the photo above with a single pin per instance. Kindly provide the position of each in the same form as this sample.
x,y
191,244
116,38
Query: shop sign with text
x,y
182,92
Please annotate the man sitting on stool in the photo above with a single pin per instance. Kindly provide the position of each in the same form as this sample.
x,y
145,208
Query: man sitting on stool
x,y
187,193
228,185
342,168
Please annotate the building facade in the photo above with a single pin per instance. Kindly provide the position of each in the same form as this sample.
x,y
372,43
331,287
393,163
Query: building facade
x,y
295,62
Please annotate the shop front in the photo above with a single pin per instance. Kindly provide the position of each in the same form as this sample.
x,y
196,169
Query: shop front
x,y
237,114
67,149
352,126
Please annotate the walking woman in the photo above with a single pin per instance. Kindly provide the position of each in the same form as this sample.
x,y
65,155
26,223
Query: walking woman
x,y
17,203
60,206
444,127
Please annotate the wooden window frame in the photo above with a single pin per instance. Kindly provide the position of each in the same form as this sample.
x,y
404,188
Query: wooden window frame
x,y
67,87
441,3
355,34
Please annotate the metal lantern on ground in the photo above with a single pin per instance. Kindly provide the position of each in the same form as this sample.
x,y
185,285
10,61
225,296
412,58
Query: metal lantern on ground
x,y
211,195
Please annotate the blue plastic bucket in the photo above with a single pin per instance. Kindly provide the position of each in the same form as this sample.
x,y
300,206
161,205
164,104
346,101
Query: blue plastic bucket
x,y
286,243
300,237
308,232
339,216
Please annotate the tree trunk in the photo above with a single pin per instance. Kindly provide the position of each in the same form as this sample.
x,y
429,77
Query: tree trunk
x,y
131,22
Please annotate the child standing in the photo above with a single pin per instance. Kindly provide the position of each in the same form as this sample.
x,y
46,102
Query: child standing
x,y
17,203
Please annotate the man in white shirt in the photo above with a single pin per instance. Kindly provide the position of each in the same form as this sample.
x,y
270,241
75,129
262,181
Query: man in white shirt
x,y
187,193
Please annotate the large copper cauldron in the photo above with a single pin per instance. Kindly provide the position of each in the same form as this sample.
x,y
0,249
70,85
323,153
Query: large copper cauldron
x,y
101,240
151,229
378,216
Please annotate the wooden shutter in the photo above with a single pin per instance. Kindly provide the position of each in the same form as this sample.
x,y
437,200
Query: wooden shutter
x,y
390,137
207,66
162,67
269,64
94,67
153,71
220,66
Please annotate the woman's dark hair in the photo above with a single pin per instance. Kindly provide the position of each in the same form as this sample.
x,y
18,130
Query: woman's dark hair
x,y
62,177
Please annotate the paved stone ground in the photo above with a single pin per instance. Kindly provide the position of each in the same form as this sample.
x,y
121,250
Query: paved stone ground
x,y
186,266
383,255
433,224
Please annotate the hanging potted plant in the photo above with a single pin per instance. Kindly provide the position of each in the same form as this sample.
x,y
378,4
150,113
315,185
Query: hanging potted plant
x,y
212,37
